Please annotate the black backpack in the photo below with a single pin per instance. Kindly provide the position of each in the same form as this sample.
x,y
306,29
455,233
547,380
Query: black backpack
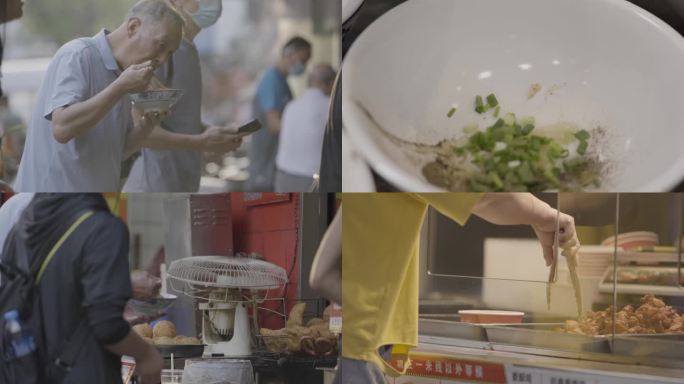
x,y
19,291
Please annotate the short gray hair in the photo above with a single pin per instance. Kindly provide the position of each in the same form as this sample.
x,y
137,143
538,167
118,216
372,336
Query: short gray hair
x,y
155,10
323,73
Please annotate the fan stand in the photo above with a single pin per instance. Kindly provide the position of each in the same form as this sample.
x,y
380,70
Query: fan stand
x,y
240,345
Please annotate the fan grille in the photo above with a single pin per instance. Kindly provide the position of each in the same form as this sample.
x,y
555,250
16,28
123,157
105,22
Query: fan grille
x,y
227,272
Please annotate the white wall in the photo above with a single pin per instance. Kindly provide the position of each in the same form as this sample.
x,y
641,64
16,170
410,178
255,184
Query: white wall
x,y
146,219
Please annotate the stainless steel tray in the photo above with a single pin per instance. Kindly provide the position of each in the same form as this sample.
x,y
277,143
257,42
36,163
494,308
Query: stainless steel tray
x,y
447,328
545,335
662,346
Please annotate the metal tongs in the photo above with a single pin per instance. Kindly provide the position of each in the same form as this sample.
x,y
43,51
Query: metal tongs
x,y
553,272
571,260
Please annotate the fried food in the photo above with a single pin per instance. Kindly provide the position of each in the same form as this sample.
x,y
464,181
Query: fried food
x,y
289,339
652,316
187,340
296,315
164,328
326,313
144,330
315,321
163,340
276,340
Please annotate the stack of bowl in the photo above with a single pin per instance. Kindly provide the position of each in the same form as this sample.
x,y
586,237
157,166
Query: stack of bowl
x,y
632,240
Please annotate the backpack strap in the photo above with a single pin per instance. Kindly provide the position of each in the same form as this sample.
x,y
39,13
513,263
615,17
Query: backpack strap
x,y
59,243
66,360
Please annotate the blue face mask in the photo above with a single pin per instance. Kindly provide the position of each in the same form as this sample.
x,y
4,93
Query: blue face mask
x,y
209,11
297,69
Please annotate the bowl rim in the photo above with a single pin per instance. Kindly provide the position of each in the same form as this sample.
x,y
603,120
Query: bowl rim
x,y
489,312
349,8
663,181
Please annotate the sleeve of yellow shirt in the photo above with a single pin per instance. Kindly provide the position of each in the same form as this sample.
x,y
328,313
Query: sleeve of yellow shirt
x,y
456,206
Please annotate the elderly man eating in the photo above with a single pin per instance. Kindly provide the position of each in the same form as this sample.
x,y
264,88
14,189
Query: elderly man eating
x,y
80,126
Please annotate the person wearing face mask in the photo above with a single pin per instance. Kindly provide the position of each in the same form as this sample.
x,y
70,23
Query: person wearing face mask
x,y
273,94
301,137
80,127
172,158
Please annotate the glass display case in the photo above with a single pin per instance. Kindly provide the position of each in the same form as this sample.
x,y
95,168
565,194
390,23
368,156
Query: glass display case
x,y
550,330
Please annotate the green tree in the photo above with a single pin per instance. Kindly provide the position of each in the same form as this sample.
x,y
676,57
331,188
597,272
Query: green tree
x,y
60,21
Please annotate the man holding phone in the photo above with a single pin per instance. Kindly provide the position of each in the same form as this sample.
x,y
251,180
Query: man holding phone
x,y
171,160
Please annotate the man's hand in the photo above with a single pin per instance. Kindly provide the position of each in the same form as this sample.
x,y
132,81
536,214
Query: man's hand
x,y
146,121
136,78
220,139
149,367
145,286
156,84
567,237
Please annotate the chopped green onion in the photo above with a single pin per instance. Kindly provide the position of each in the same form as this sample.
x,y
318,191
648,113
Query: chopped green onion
x,y
496,180
514,164
526,120
492,101
582,148
527,129
508,156
471,128
582,135
509,119
479,104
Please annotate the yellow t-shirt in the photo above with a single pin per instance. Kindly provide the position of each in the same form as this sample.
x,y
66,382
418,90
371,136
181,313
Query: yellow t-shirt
x,y
380,233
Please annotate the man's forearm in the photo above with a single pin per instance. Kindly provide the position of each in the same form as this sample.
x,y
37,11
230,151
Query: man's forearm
x,y
512,209
77,119
132,345
163,139
273,121
326,271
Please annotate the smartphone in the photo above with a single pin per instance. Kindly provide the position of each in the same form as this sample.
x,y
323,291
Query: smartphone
x,y
250,127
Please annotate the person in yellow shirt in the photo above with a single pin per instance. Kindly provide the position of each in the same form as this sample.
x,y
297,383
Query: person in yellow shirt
x,y
380,266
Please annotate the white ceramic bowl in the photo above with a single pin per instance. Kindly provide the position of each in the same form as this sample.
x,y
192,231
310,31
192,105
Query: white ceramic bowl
x,y
349,8
356,176
153,306
631,240
158,100
608,63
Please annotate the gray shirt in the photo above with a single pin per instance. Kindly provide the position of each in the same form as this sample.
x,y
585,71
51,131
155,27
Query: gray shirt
x,y
175,171
90,162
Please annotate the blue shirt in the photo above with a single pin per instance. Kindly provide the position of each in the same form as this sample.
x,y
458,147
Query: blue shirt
x,y
273,94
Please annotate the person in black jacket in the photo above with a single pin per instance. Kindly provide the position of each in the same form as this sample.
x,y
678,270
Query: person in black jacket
x,y
88,277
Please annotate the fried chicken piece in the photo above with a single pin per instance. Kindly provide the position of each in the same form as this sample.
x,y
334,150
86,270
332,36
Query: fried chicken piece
x,y
652,316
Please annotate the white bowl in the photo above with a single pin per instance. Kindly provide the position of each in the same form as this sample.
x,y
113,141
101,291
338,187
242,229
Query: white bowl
x,y
356,175
158,100
630,240
608,63
349,8
152,306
